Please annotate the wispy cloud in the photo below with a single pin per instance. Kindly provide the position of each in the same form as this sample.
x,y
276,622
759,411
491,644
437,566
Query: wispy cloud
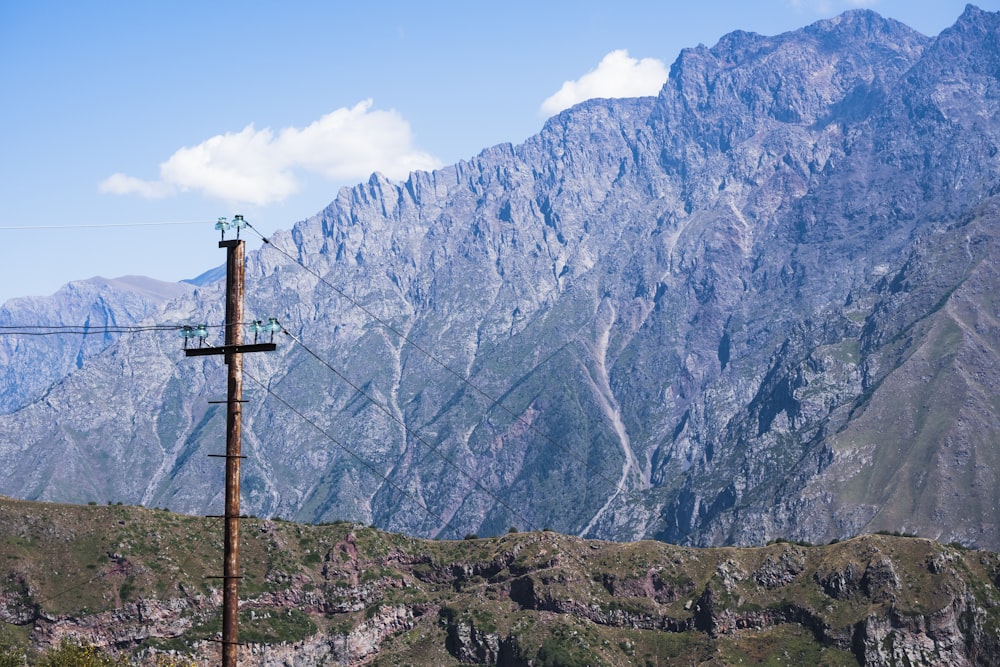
x,y
261,166
617,75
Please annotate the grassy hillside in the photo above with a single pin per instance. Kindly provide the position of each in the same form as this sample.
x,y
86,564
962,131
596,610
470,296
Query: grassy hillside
x,y
137,581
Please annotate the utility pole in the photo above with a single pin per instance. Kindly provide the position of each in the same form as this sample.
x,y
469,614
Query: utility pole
x,y
232,350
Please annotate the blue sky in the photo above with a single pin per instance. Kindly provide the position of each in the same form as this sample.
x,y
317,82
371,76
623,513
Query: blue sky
x,y
130,113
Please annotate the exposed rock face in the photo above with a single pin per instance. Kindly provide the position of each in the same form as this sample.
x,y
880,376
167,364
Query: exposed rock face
x,y
16,601
761,304
31,364
348,594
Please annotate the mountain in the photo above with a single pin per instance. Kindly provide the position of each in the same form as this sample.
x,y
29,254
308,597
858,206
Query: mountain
x,y
760,304
31,364
140,582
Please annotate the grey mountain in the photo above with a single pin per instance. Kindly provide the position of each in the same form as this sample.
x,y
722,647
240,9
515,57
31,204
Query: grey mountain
x,y
31,365
760,304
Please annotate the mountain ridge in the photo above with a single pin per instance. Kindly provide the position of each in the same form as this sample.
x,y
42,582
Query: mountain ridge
x,y
687,316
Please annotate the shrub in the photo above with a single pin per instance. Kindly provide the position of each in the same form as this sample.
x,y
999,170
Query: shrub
x,y
10,655
69,654
895,533
173,661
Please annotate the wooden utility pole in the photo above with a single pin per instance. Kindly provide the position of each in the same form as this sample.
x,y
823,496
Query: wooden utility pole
x,y
233,351
234,421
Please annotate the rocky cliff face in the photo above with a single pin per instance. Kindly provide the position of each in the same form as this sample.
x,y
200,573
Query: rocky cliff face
x,y
31,364
137,581
759,304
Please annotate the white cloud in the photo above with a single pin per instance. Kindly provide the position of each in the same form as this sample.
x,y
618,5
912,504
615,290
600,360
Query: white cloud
x,y
617,75
122,184
259,166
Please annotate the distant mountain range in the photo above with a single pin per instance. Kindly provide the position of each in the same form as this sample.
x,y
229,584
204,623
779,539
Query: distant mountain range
x,y
761,304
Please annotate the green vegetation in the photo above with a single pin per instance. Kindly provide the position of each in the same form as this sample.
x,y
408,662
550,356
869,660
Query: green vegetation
x,y
72,654
550,598
10,655
69,654
801,543
895,533
558,653
273,627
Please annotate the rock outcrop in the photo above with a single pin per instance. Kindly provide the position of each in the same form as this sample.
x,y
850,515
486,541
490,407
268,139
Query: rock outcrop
x,y
348,594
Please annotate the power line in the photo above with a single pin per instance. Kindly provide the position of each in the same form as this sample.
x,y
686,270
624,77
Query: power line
x,y
493,401
79,329
106,224
48,330
87,330
357,457
527,523
62,329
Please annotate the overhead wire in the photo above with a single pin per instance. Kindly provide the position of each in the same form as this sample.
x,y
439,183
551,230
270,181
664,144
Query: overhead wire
x,y
49,330
479,485
466,381
78,329
105,224
74,329
70,589
86,329
434,515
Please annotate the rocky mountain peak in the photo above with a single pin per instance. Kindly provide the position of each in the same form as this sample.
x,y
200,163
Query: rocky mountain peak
x,y
862,25
970,46
797,77
756,305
